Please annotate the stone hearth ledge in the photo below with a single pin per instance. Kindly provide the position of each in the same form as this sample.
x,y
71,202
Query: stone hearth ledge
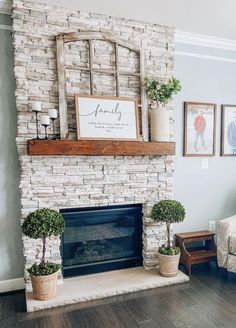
x,y
100,285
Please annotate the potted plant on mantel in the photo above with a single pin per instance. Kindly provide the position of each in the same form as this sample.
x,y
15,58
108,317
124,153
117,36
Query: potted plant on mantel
x,y
160,93
168,211
41,224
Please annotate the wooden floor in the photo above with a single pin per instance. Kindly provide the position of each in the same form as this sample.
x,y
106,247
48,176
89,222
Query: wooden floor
x,y
207,301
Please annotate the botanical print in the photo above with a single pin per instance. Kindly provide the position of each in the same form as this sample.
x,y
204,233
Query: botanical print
x,y
199,129
228,145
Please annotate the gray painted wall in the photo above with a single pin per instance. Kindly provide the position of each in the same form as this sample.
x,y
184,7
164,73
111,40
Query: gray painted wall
x,y
206,194
11,258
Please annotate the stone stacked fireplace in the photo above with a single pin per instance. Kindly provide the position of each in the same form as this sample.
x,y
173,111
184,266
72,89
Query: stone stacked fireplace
x,y
60,182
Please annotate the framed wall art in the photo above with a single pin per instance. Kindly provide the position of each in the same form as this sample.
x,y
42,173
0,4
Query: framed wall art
x,y
199,129
106,118
228,130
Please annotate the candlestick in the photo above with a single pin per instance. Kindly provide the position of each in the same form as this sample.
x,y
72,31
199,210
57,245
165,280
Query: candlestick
x,y
36,108
45,121
52,113
53,116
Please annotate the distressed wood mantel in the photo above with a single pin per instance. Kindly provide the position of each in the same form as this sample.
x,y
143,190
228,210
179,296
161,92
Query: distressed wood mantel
x,y
99,148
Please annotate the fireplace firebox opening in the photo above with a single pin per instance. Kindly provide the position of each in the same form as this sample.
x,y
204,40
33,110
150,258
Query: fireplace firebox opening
x,y
99,239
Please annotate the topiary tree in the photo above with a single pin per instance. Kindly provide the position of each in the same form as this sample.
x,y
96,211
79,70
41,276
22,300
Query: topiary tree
x,y
168,211
41,224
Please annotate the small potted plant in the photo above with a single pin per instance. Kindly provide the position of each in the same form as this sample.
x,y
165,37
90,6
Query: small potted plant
x,y
41,224
168,211
160,93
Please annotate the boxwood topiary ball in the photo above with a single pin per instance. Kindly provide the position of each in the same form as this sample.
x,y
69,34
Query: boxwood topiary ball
x,y
170,211
43,223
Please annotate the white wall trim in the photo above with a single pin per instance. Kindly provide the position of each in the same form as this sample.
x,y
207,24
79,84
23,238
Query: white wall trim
x,y
5,6
5,27
11,285
197,55
204,41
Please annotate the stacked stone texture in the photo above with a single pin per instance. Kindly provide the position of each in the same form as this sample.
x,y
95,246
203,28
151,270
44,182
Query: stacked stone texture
x,y
60,182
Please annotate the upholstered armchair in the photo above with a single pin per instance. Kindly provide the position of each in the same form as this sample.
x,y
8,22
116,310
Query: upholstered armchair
x,y
226,244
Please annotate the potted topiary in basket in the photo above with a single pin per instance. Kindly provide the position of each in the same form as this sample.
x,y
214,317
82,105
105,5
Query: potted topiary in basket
x,y
168,211
160,93
41,224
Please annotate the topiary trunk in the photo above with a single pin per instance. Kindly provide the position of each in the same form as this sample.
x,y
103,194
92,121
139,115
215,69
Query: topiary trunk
x,y
44,251
168,233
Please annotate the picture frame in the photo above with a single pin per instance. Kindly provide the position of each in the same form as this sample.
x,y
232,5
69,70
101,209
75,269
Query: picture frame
x,y
199,129
228,130
107,118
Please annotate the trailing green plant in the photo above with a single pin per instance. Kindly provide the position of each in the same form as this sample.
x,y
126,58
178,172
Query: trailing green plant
x,y
162,92
41,224
168,211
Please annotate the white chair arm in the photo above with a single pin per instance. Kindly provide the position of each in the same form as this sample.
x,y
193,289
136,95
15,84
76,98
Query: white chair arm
x,y
225,228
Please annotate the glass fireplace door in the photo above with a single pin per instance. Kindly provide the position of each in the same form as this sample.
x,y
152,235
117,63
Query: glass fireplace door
x,y
101,239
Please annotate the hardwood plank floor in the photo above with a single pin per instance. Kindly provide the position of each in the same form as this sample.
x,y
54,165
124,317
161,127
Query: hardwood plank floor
x,y
207,301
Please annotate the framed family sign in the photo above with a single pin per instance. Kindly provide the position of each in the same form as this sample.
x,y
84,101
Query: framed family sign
x,y
199,129
106,118
228,130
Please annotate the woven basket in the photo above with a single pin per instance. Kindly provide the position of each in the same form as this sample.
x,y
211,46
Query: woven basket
x,y
168,264
44,287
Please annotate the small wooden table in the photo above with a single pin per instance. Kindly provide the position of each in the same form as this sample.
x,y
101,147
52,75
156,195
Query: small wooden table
x,y
196,254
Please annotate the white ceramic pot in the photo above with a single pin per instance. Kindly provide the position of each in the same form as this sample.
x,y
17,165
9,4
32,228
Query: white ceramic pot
x,y
160,125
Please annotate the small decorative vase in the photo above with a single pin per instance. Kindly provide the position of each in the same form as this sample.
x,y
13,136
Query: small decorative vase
x,y
160,125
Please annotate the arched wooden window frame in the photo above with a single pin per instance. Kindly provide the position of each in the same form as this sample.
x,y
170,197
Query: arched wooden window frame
x,y
90,37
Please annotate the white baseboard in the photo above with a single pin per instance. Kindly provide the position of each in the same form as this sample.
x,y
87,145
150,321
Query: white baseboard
x,y
11,285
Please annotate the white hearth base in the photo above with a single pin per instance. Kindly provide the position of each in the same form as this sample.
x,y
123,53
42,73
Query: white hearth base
x,y
100,285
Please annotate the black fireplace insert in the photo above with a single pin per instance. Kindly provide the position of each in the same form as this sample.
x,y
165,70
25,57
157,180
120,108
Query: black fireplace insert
x,y
104,238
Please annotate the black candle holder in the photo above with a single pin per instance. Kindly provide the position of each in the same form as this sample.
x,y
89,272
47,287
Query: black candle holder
x,y
46,134
53,127
37,123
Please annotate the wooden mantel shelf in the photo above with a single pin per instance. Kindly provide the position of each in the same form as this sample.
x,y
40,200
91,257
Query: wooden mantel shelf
x,y
99,148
